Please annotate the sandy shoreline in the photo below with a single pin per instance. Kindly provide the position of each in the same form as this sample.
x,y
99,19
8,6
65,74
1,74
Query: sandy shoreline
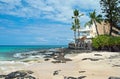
x,y
95,65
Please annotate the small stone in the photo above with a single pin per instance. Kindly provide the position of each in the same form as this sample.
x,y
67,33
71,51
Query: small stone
x,y
116,66
71,78
82,71
114,78
30,77
46,59
97,55
56,61
90,59
81,77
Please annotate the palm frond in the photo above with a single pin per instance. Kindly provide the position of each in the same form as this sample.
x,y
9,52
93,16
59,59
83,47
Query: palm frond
x,y
88,24
76,12
80,15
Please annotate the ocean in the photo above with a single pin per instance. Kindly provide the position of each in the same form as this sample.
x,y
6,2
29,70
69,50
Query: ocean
x,y
8,52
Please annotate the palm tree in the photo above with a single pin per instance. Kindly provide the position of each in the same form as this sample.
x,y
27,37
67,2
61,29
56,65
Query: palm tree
x,y
74,29
94,19
76,20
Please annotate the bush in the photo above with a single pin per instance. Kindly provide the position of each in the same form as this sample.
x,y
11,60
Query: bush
x,y
105,41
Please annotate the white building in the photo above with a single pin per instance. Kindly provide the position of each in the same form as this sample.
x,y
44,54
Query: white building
x,y
88,31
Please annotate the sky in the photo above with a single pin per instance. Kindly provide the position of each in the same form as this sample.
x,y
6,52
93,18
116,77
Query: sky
x,y
41,22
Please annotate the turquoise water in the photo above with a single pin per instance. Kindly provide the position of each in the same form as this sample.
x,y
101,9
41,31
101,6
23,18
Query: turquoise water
x,y
7,51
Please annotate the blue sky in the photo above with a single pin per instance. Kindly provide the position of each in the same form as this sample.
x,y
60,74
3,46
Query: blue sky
x,y
41,22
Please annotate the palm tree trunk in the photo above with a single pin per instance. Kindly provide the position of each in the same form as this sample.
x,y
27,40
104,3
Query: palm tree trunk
x,y
74,34
96,28
75,38
78,33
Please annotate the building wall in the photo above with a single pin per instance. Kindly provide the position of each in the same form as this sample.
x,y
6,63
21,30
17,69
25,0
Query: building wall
x,y
103,28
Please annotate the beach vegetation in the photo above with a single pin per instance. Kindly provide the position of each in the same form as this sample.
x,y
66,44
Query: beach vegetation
x,y
106,42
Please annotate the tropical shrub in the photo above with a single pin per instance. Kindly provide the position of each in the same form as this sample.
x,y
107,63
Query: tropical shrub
x,y
105,41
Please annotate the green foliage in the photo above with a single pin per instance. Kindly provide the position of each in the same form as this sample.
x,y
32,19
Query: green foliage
x,y
111,10
94,18
76,12
76,22
105,40
73,27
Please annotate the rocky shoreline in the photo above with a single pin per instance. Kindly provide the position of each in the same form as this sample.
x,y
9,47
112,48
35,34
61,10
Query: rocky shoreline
x,y
48,53
63,63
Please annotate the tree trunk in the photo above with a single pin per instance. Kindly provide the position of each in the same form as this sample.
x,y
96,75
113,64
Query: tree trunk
x,y
104,29
96,28
75,38
78,33
110,20
110,29
75,35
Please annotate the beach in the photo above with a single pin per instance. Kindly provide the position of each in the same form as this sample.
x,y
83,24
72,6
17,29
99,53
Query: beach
x,y
94,65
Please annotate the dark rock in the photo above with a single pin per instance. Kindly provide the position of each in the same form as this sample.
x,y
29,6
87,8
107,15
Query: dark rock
x,y
82,71
15,75
114,78
47,59
56,72
29,72
42,51
71,78
47,56
2,76
116,66
67,59
20,78
97,55
65,77
56,61
81,77
90,59
94,59
60,57
85,58
30,77
20,75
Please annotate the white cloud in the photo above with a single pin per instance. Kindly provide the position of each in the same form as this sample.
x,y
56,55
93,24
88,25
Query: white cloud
x,y
56,10
37,34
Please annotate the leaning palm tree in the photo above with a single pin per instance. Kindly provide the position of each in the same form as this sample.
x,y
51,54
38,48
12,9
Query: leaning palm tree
x,y
94,19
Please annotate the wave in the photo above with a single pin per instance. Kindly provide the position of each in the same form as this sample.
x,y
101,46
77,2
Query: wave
x,y
27,54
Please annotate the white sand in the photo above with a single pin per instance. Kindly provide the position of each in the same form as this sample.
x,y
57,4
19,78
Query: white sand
x,y
101,69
